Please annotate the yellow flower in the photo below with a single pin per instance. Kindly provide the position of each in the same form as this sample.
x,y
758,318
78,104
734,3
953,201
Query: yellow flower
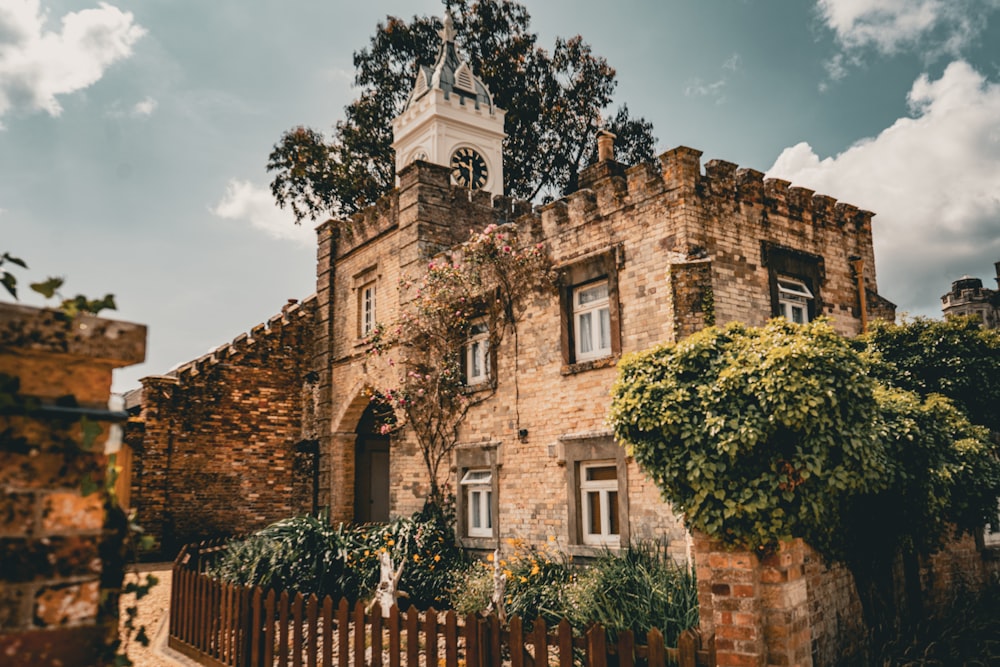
x,y
490,558
508,573
524,580
437,557
391,542
367,552
416,558
535,569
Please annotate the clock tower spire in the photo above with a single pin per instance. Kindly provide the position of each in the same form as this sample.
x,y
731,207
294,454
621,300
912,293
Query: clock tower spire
x,y
450,119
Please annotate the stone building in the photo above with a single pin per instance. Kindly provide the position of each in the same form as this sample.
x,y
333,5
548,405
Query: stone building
x,y
645,255
969,297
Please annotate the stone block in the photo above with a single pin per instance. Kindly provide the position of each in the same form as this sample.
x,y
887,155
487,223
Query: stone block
x,y
16,514
72,512
67,604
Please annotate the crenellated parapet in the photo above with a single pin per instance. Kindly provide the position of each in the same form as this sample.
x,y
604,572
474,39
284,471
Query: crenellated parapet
x,y
292,318
606,187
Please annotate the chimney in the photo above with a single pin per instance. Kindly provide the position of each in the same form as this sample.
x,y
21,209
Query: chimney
x,y
606,151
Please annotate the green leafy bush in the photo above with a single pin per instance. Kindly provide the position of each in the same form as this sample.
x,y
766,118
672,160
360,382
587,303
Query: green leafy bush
x,y
536,577
944,474
305,554
754,434
638,589
424,545
302,554
955,357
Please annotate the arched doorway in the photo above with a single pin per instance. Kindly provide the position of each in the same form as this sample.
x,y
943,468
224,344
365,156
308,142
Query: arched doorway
x,y
371,470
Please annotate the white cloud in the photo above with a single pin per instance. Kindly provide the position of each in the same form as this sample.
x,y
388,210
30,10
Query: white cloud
x,y
141,109
36,64
144,107
932,178
254,204
696,87
889,25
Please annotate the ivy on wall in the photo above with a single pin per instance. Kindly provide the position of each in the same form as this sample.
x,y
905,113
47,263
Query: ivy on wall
x,y
485,280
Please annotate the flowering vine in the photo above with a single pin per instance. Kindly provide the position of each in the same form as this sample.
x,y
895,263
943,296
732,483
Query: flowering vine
x,y
485,280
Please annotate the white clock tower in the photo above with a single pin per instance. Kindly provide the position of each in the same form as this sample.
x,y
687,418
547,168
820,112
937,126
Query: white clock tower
x,y
449,119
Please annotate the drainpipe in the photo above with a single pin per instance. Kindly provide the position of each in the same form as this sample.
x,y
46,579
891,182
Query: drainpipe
x,y
859,275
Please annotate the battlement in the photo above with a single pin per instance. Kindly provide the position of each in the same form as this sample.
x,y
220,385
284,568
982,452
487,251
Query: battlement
x,y
292,316
612,187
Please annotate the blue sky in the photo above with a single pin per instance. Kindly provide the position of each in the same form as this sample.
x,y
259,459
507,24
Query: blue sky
x,y
134,134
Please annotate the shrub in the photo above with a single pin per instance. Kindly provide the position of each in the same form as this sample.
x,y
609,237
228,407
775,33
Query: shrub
x,y
302,554
536,578
305,554
638,589
754,434
425,547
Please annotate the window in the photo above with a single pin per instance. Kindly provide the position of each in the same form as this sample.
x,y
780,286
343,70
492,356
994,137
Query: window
x,y
366,308
477,502
477,487
793,300
597,489
592,321
588,298
795,278
599,501
477,354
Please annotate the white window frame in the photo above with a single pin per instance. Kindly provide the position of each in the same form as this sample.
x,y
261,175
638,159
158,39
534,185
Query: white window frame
x,y
477,353
794,296
477,487
608,504
366,305
599,313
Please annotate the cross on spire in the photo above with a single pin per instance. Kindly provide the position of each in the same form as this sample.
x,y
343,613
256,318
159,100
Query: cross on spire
x,y
447,33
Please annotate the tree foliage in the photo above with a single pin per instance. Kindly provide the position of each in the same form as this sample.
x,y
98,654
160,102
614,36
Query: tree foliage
x,y
49,288
486,279
555,103
956,357
762,434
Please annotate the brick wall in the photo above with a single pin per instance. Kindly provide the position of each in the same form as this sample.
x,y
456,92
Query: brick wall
x,y
685,248
794,608
60,550
221,446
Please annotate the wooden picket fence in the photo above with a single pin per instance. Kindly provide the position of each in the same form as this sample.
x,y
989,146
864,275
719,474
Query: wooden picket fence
x,y
226,625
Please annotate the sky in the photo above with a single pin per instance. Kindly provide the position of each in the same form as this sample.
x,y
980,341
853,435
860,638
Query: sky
x,y
134,135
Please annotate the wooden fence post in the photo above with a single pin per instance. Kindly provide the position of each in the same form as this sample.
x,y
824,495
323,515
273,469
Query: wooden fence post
x,y
687,647
597,647
657,655
473,645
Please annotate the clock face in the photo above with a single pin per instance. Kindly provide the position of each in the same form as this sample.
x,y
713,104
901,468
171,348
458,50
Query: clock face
x,y
468,168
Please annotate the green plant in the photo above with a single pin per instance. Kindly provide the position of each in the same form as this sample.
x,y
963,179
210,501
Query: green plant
x,y
536,577
303,554
638,589
956,357
488,278
71,307
754,434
